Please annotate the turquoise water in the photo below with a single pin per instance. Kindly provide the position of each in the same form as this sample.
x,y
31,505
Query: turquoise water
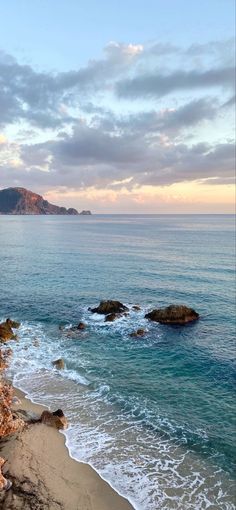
x,y
155,416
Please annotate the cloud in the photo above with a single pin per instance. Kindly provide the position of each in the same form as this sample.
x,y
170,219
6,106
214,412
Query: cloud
x,y
92,157
50,100
159,85
166,120
94,143
41,98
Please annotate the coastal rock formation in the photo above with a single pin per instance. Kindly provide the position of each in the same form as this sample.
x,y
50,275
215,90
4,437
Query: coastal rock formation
x,y
139,332
23,201
4,483
6,330
173,314
109,307
56,419
81,326
111,317
136,308
74,330
4,355
9,423
59,364
85,213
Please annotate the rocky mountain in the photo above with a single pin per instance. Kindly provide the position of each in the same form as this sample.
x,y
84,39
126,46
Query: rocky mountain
x,y
23,201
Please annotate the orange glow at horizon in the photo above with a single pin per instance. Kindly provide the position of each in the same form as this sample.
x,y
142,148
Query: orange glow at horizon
x,y
182,197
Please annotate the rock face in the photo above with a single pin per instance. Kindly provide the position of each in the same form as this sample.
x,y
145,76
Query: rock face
x,y
56,419
9,423
6,331
23,201
111,317
81,326
4,483
139,332
173,314
59,364
110,307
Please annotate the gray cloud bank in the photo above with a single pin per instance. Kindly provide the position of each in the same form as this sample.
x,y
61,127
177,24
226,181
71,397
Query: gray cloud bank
x,y
101,148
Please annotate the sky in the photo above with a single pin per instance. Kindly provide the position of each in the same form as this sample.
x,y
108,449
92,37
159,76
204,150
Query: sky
x,y
119,107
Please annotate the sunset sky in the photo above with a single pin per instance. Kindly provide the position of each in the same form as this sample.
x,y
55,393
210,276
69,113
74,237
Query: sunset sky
x,y
119,107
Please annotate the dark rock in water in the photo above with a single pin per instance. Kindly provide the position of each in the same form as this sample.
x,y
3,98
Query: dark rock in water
x,y
6,330
59,364
56,419
173,314
71,210
81,326
109,307
139,332
85,213
137,308
111,317
13,324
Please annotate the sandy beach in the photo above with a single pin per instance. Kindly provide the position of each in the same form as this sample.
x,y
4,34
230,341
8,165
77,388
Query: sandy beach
x,y
45,477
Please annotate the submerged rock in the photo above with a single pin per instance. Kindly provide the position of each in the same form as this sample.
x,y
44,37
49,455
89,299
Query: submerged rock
x,y
59,364
75,330
109,307
6,330
136,308
56,419
111,317
81,326
173,314
139,332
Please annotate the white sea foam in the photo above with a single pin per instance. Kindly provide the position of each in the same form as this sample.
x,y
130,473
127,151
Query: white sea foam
x,y
151,470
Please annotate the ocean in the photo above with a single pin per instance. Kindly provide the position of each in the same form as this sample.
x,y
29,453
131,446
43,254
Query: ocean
x,y
155,416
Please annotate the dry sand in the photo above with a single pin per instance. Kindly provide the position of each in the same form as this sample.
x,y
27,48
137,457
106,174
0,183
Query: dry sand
x,y
45,477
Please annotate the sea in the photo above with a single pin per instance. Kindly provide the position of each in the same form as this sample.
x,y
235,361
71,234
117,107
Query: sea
x,y
155,415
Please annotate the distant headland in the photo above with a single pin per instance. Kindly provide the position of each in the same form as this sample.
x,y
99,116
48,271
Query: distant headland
x,y
22,201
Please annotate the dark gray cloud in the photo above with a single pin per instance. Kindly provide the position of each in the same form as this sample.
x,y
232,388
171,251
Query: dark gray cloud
x,y
231,102
41,98
159,85
45,99
105,148
165,121
91,157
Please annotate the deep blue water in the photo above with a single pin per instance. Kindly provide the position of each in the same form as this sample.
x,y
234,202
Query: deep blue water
x,y
155,416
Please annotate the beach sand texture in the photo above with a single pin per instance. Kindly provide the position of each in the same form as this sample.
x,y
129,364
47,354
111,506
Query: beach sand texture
x,y
45,477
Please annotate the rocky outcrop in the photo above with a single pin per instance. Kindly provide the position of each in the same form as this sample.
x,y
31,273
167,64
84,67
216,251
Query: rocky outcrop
x,y
57,420
111,317
81,327
23,201
6,330
110,307
4,483
9,422
85,213
138,333
4,355
59,364
173,314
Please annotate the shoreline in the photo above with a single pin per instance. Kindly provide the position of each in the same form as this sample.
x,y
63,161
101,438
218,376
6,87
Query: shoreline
x,y
41,468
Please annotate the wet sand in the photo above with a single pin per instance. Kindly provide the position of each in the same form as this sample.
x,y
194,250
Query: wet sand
x,y
45,477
